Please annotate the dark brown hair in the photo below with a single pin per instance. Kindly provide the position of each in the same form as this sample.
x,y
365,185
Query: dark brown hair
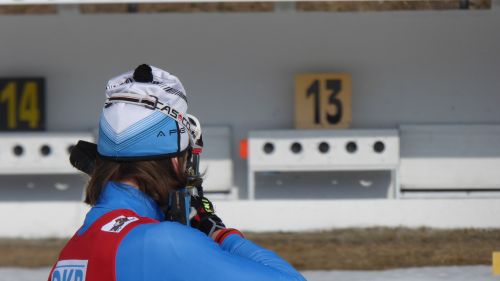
x,y
153,177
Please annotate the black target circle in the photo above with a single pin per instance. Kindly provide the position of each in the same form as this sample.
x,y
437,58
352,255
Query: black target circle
x,y
324,147
351,147
296,147
18,150
45,150
378,147
268,148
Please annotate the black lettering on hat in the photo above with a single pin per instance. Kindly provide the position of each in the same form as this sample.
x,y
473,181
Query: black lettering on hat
x,y
166,108
160,134
174,114
173,131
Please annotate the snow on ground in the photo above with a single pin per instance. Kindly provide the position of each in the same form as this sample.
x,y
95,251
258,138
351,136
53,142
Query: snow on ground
x,y
459,273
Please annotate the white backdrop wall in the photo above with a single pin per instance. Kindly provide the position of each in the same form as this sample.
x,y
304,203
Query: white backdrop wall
x,y
275,215
238,68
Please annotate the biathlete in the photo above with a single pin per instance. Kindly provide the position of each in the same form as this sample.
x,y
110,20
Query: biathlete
x,y
143,150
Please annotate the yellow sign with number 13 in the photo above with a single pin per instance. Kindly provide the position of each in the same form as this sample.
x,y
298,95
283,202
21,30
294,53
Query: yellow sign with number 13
x,y
322,100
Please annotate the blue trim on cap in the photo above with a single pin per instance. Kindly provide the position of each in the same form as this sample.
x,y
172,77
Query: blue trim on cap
x,y
131,131
154,139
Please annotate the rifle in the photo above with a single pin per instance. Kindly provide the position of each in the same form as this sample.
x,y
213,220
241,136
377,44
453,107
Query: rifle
x,y
179,207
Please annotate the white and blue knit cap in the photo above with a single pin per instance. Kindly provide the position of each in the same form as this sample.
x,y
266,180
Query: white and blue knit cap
x,y
144,116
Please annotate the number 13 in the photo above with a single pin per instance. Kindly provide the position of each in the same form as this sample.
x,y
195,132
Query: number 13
x,y
334,86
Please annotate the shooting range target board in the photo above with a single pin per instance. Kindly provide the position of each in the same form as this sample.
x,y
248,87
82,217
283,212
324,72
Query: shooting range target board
x,y
322,100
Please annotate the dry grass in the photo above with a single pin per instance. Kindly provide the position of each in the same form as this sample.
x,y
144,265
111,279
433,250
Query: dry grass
x,y
29,253
104,8
382,248
28,9
206,7
374,248
178,7
393,5
301,6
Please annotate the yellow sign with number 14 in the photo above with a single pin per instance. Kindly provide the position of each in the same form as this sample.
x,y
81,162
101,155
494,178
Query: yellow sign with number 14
x,y
22,104
322,100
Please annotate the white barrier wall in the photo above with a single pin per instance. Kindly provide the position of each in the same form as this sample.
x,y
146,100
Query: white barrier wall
x,y
238,68
62,219
38,153
217,163
452,158
320,150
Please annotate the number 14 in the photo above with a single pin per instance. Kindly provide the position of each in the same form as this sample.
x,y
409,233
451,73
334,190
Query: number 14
x,y
28,106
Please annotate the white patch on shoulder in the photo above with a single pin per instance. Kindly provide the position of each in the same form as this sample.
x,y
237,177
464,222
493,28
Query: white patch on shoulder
x,y
118,223
70,270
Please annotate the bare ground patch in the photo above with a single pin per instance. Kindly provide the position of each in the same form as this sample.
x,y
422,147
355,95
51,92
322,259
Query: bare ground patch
x,y
372,248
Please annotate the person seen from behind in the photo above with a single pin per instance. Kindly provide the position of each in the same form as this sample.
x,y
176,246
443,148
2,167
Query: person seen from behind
x,y
143,151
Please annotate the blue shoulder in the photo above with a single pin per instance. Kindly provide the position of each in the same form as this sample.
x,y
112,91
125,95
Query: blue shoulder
x,y
151,251
173,233
171,251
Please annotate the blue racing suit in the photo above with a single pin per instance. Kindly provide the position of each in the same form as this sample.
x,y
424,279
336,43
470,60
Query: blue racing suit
x,y
172,251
